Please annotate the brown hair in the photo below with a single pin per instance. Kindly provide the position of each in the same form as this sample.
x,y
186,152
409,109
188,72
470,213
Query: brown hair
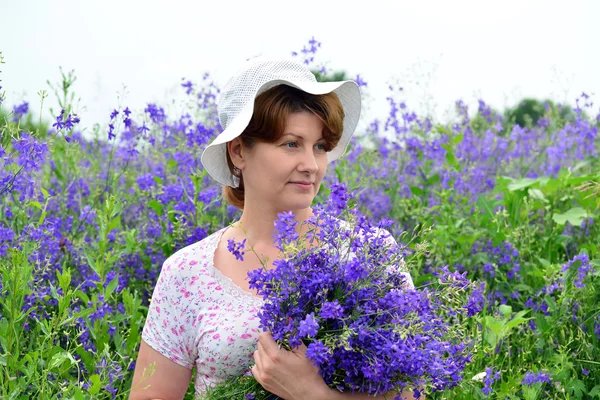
x,y
271,111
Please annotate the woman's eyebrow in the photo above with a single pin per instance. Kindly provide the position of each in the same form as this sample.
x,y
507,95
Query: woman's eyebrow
x,y
298,136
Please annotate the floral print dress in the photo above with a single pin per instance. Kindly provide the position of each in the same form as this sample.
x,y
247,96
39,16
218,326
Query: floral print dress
x,y
200,317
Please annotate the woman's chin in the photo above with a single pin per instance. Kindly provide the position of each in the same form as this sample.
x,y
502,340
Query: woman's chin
x,y
299,205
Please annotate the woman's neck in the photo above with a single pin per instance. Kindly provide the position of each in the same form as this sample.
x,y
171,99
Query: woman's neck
x,y
257,225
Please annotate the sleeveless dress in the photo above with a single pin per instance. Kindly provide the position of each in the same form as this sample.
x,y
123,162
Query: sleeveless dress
x,y
200,317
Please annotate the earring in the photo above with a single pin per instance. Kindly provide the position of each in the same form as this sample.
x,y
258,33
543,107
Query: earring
x,y
236,177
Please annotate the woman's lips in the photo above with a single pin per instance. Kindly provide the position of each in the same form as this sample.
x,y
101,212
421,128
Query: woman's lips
x,y
303,185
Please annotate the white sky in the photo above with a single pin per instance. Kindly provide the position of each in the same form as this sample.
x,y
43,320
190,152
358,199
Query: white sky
x,y
500,51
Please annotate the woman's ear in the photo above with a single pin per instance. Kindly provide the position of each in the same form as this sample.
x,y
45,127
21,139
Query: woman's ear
x,y
235,149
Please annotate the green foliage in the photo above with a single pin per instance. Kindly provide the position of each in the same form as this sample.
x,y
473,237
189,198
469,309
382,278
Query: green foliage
x,y
330,77
528,112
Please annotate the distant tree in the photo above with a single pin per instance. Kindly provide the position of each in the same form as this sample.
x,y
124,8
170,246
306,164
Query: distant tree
x,y
333,77
528,112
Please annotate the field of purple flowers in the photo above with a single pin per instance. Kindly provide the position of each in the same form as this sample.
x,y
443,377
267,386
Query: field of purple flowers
x,y
87,220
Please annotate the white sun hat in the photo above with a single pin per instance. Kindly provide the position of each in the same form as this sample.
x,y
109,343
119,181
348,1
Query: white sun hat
x,y
236,105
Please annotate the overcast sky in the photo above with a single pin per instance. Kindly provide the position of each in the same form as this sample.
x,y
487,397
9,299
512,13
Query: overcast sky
x,y
440,51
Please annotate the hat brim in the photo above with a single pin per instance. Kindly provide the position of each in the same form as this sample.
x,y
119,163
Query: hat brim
x,y
214,157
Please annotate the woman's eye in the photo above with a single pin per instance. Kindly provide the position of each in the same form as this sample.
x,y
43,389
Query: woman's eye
x,y
292,145
321,146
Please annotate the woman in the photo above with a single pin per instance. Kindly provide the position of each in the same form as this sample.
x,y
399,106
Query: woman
x,y
281,129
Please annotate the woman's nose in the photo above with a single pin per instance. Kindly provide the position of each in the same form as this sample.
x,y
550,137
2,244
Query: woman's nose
x,y
309,162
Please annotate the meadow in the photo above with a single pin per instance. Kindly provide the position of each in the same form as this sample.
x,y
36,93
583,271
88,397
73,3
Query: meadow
x,y
511,198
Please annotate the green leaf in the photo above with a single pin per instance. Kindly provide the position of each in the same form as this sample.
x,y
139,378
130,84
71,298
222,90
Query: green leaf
x,y
576,387
133,338
172,164
114,223
433,179
456,139
59,358
84,297
531,392
95,386
517,320
575,216
505,310
92,263
417,191
45,193
42,216
64,280
450,157
78,394
157,207
521,184
44,326
595,392
494,325
36,204
537,194
110,288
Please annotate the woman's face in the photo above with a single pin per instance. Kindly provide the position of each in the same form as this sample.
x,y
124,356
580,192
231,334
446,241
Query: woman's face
x,y
287,174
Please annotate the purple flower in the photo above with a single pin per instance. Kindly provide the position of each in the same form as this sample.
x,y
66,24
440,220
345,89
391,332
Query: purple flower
x,y
144,129
111,129
359,81
71,121
59,122
476,300
146,181
318,353
309,326
456,279
157,114
338,199
188,85
113,114
531,378
331,309
237,248
490,378
20,110
32,152
285,229
584,268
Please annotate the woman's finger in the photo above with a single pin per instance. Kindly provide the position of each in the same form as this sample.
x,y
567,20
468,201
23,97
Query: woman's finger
x,y
301,349
269,346
257,360
256,374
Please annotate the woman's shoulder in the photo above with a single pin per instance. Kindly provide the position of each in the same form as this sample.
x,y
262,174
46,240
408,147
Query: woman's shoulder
x,y
194,255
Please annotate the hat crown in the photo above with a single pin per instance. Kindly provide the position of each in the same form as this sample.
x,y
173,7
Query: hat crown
x,y
257,75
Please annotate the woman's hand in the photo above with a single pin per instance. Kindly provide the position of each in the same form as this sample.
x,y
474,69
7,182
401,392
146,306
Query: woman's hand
x,y
287,374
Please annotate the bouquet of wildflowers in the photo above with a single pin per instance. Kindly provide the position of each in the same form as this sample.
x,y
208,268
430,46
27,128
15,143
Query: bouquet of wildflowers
x,y
342,289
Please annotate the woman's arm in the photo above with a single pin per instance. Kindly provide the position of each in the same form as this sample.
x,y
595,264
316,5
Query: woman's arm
x,y
169,381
